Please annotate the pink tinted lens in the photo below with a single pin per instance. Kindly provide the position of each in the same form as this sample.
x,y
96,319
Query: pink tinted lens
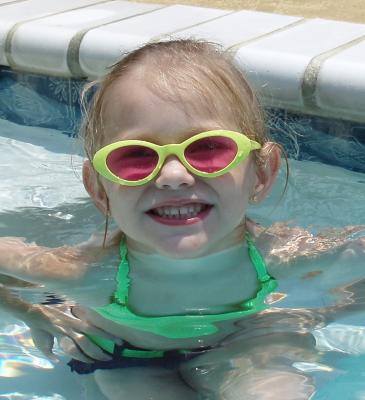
x,y
132,163
211,154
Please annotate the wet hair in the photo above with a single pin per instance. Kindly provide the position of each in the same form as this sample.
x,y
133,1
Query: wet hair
x,y
195,74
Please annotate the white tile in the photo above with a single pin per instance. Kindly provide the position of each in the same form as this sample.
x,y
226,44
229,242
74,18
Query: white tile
x,y
17,12
104,46
237,27
276,64
341,83
30,51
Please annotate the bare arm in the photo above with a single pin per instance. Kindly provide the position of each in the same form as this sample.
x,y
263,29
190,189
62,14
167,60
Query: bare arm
x,y
28,261
40,264
11,303
281,243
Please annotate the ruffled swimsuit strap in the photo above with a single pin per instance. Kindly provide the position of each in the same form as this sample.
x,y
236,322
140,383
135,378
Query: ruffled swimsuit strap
x,y
267,284
123,280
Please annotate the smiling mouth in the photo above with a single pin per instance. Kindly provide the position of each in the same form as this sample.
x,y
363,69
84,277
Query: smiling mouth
x,y
176,215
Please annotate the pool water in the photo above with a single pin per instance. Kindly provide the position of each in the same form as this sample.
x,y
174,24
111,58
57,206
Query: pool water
x,y
43,200
41,192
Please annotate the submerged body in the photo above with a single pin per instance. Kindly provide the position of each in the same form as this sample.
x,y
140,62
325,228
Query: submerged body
x,y
255,354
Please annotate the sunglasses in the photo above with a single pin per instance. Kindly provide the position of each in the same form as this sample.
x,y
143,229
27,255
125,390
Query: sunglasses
x,y
207,154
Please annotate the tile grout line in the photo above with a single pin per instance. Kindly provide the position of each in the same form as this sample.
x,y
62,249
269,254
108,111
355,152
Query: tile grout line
x,y
311,73
76,66
234,48
165,35
73,50
12,2
11,32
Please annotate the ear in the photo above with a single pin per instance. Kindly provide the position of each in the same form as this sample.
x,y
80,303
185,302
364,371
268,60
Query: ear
x,y
267,170
94,187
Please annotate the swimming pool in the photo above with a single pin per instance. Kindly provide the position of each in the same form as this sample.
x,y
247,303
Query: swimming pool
x,y
41,192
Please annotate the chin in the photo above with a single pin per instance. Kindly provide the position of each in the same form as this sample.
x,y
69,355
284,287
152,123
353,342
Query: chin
x,y
183,247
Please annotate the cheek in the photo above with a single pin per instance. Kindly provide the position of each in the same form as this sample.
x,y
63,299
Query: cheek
x,y
121,200
245,178
234,190
236,184
122,210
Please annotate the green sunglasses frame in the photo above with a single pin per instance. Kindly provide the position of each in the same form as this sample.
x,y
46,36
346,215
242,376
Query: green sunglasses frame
x,y
244,147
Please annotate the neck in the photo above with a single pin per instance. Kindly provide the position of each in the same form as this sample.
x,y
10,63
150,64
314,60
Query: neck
x,y
210,284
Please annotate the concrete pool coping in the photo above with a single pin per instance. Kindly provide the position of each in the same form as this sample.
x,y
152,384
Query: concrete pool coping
x,y
312,66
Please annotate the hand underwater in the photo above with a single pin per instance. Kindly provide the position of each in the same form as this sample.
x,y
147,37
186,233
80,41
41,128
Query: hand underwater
x,y
50,322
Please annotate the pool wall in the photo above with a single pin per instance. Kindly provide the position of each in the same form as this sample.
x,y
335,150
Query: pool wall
x,y
308,72
312,66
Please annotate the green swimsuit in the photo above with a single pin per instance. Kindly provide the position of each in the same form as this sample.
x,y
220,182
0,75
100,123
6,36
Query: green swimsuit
x,y
178,326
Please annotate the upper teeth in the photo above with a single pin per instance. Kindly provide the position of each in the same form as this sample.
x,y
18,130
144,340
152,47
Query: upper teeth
x,y
186,211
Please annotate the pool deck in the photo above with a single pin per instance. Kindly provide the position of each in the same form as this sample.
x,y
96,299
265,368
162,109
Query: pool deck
x,y
341,10
314,65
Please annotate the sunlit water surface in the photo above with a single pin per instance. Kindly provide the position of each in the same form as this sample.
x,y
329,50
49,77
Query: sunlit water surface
x,y
42,199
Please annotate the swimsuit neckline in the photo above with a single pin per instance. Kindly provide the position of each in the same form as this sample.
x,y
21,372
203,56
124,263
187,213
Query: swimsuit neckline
x,y
174,327
123,280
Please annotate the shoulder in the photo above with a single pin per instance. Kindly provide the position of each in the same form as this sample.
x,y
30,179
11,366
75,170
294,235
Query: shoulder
x,y
283,244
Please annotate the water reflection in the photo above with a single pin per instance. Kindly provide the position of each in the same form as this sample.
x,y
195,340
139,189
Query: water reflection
x,y
18,352
28,396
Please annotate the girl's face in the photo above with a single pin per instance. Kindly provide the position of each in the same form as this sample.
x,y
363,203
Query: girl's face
x,y
214,207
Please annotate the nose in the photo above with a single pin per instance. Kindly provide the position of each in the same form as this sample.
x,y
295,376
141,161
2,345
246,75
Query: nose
x,y
173,175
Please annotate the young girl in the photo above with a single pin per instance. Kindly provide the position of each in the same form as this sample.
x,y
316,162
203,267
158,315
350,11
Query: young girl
x,y
177,150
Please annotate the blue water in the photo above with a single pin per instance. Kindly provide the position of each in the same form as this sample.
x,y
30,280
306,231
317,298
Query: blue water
x,y
41,192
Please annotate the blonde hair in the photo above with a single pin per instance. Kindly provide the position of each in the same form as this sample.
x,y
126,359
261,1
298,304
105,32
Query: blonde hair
x,y
194,73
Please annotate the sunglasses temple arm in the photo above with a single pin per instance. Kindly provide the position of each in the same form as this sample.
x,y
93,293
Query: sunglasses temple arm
x,y
255,145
